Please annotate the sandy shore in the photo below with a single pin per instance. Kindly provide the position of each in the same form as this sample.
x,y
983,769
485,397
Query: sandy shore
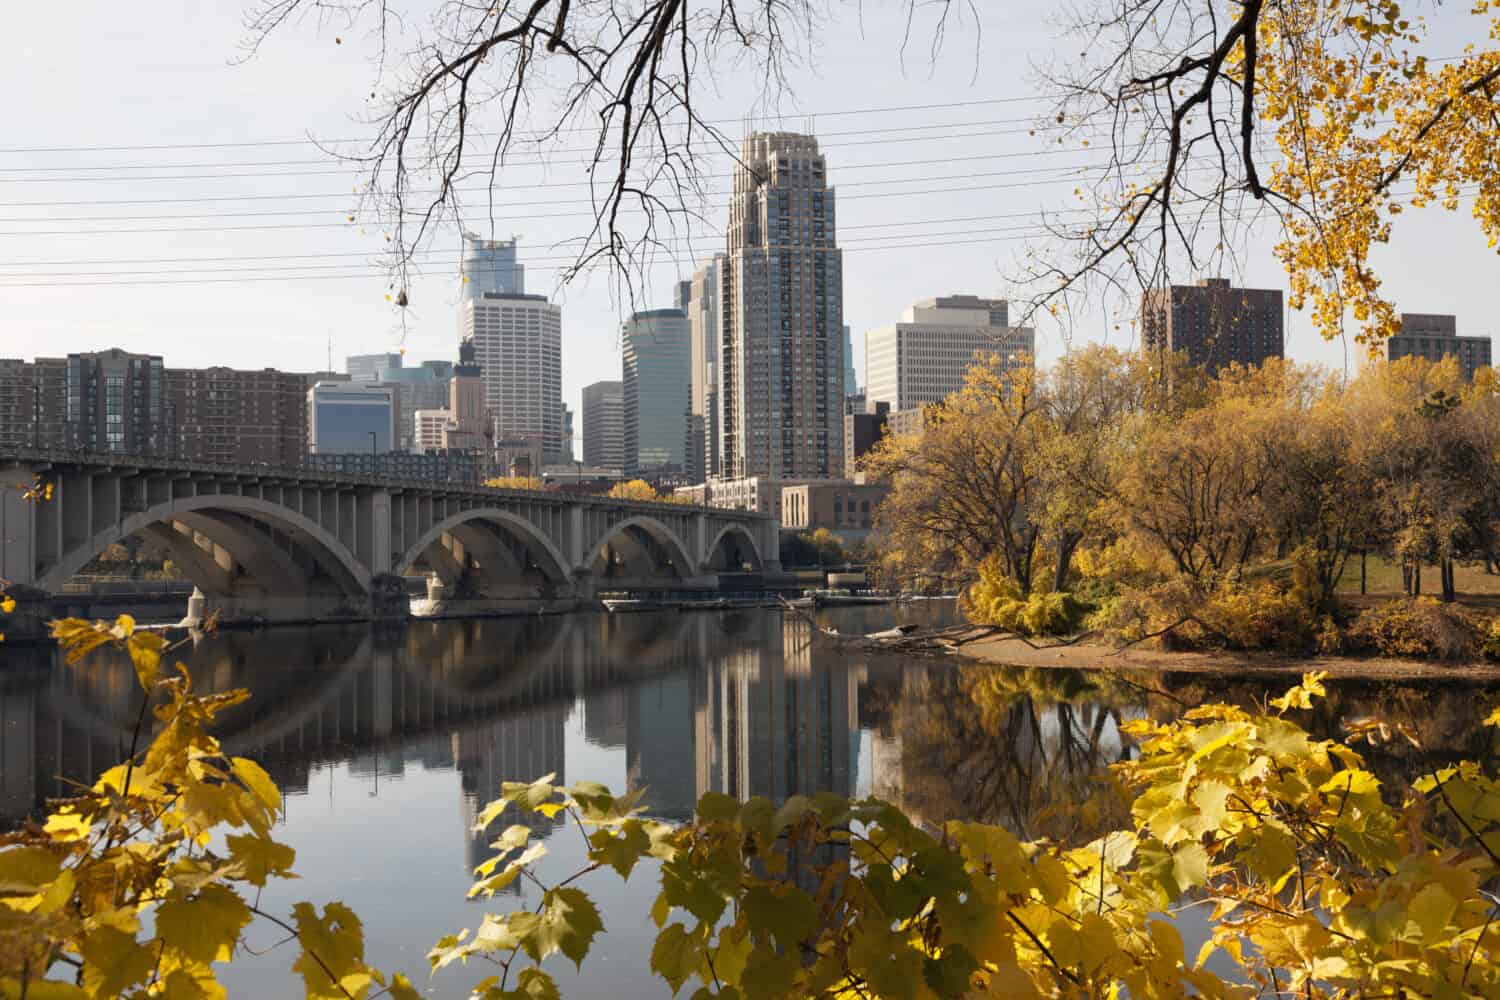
x,y
1085,656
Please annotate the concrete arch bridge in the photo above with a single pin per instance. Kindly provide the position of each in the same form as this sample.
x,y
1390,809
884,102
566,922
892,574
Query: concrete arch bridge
x,y
291,544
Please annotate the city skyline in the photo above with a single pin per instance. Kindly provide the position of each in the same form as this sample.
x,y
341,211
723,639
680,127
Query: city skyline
x,y
294,319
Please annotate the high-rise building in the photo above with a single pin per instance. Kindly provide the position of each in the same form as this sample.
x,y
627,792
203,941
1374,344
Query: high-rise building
x,y
34,404
782,374
925,357
470,428
657,383
92,401
705,322
367,367
851,378
1214,324
351,418
1434,337
422,388
604,425
862,432
430,427
518,344
491,266
568,435
248,417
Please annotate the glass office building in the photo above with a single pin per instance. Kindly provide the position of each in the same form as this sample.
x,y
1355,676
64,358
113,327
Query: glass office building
x,y
657,386
351,417
491,266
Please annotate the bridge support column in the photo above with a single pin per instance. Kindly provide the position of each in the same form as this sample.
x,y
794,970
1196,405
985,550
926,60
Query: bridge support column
x,y
380,532
18,530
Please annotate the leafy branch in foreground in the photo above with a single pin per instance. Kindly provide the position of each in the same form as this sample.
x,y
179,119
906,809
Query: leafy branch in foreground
x,y
143,841
1319,885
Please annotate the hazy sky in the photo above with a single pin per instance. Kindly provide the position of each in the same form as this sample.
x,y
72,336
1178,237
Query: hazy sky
x,y
85,75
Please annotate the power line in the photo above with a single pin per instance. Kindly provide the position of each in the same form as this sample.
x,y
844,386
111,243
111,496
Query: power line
x,y
352,171
437,256
530,135
543,134
556,152
506,186
456,253
1063,173
325,277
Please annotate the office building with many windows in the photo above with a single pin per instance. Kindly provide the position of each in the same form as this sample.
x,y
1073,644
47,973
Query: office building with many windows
x,y
656,385
705,323
604,425
782,359
925,357
367,367
1435,337
518,346
1213,323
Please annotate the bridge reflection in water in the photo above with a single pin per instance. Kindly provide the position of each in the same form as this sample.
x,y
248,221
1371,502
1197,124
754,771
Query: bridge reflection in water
x,y
429,719
696,702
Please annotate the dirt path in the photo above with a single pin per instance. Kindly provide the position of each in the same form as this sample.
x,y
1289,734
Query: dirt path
x,y
1084,656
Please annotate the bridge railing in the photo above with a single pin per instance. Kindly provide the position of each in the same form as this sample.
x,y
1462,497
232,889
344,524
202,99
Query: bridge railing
x,y
307,473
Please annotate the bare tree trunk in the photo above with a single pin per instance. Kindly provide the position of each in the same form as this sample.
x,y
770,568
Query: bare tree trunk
x,y
1362,590
1416,578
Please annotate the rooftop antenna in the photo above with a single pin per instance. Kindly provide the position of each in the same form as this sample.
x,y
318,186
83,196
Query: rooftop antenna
x,y
330,350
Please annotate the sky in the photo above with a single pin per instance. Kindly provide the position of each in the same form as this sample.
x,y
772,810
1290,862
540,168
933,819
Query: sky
x,y
190,253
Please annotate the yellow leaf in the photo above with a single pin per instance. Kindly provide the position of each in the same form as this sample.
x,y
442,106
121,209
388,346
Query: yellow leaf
x,y
258,781
204,927
145,654
27,869
1431,909
114,961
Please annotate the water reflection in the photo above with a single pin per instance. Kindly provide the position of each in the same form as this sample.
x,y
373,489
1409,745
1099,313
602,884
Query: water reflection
x,y
387,744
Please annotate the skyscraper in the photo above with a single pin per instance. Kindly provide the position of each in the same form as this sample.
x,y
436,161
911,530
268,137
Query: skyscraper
x,y
782,375
657,384
367,367
1434,337
604,425
518,344
471,429
1214,324
924,358
705,322
491,266
851,378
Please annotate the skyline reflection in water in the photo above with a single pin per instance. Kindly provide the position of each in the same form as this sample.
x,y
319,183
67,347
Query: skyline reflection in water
x,y
386,745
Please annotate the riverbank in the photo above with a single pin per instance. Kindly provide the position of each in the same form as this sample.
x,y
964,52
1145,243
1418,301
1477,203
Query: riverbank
x,y
1011,652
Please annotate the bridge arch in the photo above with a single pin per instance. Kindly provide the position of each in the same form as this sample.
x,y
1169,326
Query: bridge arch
x,y
634,529
225,515
549,559
733,539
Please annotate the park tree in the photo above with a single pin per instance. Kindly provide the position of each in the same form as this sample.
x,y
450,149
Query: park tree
x,y
633,489
970,483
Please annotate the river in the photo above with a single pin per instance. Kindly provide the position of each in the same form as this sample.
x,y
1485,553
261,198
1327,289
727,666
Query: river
x,y
386,744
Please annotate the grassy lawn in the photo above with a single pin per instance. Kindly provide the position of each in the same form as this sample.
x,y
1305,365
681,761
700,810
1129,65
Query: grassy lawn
x,y
1383,581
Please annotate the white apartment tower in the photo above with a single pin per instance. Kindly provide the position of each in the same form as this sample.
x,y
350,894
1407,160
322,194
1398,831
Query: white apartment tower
x,y
781,378
706,322
924,358
518,345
